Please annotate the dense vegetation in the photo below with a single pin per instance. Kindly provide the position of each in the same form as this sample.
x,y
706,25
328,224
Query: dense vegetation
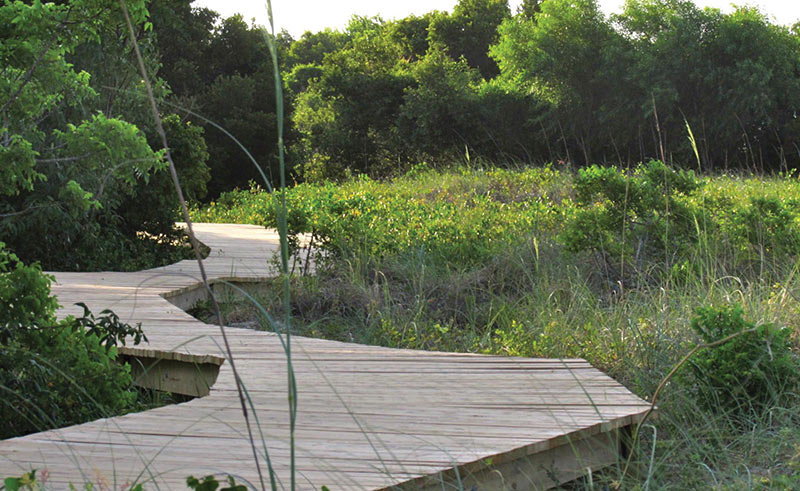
x,y
76,143
555,81
56,373
629,269
72,174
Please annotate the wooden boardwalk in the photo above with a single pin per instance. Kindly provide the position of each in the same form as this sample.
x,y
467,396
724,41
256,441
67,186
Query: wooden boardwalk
x,y
368,417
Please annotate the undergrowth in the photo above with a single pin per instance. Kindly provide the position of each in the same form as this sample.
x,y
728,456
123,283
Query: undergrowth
x,y
55,373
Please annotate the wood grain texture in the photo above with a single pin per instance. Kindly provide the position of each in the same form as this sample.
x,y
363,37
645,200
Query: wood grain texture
x,y
368,417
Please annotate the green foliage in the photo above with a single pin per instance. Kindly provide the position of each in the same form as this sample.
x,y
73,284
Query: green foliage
x,y
75,206
640,224
210,483
551,55
703,66
111,155
108,328
558,81
347,115
183,34
245,106
25,481
634,217
30,482
301,76
234,35
768,224
442,109
462,220
747,375
55,373
189,152
312,47
569,56
226,76
66,197
57,376
24,294
190,156
19,166
525,294
411,34
469,31
529,8
389,96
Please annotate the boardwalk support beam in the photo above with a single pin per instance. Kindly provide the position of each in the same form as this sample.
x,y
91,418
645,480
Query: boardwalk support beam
x,y
180,376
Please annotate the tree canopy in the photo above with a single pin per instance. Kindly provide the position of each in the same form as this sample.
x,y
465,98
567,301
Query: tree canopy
x,y
71,153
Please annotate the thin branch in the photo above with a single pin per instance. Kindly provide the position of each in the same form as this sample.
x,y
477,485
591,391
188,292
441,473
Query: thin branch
x,y
62,159
25,211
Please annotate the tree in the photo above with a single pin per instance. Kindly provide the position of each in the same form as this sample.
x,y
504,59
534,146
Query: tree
x,y
305,57
529,8
570,56
347,116
68,171
190,155
312,47
235,49
245,107
411,34
226,77
469,31
183,35
733,78
440,112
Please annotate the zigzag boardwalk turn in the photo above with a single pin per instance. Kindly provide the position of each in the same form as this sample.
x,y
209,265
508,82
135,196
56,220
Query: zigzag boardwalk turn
x,y
368,417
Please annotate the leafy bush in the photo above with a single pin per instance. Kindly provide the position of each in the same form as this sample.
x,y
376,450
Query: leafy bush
x,y
108,327
746,375
459,219
75,173
211,483
190,155
54,373
640,224
769,224
24,294
57,376
633,218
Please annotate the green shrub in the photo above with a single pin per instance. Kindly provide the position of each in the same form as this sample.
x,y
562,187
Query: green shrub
x,y
55,373
190,155
746,375
108,327
460,218
211,483
24,294
769,224
58,376
633,219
